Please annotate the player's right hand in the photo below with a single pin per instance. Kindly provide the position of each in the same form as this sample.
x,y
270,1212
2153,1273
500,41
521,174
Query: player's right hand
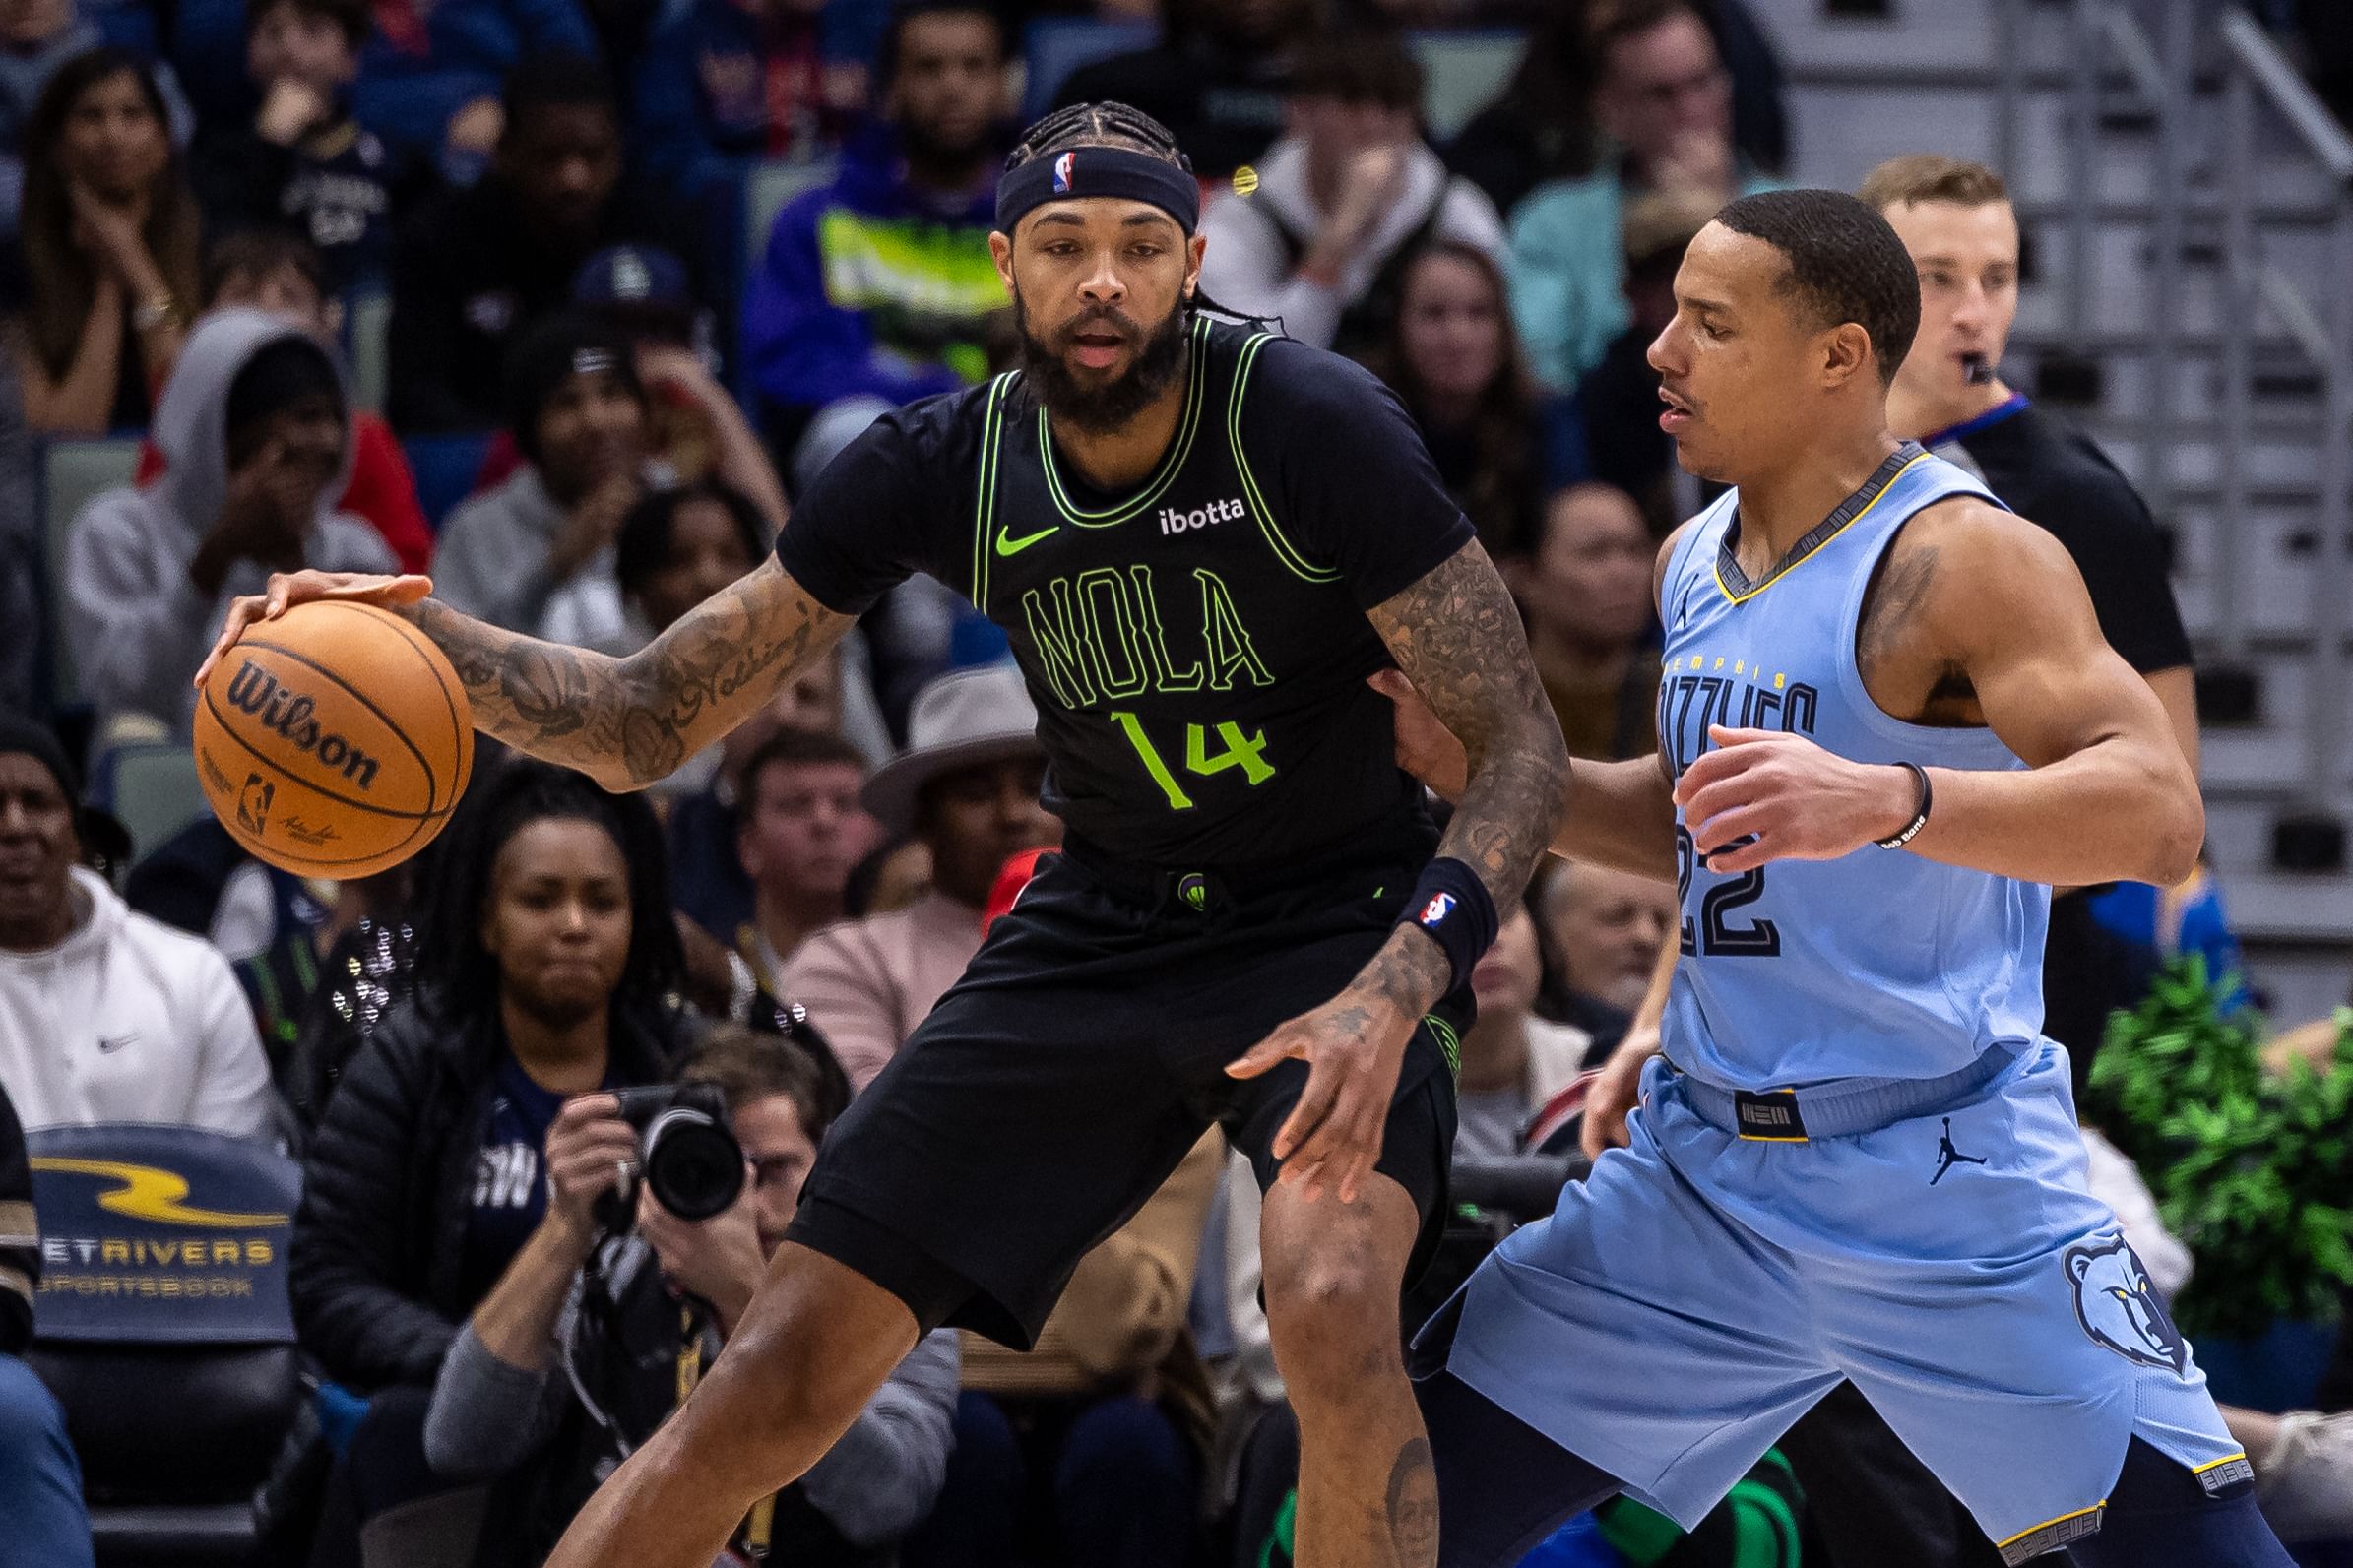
x,y
1613,1093
289,588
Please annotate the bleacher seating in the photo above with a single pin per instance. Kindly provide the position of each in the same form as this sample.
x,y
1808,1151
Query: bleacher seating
x,y
71,473
151,788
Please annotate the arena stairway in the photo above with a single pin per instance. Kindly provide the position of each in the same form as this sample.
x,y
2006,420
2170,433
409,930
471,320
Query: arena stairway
x,y
1875,78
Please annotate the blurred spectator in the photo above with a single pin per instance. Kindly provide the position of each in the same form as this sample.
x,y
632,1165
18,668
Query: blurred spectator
x,y
106,1015
1453,359
1540,127
1603,930
255,431
433,74
277,271
1513,1061
1341,200
726,84
578,413
880,283
624,1313
475,269
1619,399
1664,100
967,789
674,550
37,37
1215,79
98,285
801,831
547,956
40,1480
303,163
1586,594
829,698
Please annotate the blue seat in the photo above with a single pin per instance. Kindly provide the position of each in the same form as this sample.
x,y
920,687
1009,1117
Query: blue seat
x,y
445,466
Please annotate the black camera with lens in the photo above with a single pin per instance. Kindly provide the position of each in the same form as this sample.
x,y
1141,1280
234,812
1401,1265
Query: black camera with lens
x,y
690,1159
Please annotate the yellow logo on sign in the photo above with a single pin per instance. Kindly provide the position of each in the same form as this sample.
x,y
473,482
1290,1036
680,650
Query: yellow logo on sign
x,y
149,1193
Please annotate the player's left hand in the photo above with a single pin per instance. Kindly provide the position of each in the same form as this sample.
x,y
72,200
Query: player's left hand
x,y
1354,1045
1783,797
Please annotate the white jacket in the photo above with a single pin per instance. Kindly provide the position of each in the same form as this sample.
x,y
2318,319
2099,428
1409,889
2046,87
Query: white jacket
x,y
128,1020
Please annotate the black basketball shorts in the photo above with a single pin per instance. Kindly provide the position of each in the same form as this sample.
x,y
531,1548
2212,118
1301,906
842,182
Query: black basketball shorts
x,y
1060,1083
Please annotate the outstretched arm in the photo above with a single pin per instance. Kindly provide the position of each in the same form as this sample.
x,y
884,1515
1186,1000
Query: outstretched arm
x,y
2105,794
625,722
1457,637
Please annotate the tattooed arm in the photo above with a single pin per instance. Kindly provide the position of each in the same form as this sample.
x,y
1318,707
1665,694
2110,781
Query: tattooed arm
x,y
1458,636
625,722
2105,794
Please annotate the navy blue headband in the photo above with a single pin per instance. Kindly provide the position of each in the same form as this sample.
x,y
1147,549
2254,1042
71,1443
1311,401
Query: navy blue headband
x,y
1085,171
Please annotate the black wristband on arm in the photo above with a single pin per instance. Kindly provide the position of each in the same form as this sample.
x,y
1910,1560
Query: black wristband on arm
x,y
1454,908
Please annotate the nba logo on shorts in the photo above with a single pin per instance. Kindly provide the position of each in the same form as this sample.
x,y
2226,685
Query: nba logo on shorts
x,y
1441,905
1065,166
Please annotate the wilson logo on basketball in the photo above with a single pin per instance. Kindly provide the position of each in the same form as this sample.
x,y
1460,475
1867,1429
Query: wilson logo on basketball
x,y
287,712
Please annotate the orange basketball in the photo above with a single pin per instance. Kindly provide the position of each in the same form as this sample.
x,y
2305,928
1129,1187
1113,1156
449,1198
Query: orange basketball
x,y
334,741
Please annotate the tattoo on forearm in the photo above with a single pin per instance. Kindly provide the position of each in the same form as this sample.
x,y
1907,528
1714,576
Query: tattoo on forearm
x,y
1458,636
636,719
1414,1505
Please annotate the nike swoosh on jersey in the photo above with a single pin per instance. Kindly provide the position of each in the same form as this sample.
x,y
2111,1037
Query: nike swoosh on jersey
x,y
1009,547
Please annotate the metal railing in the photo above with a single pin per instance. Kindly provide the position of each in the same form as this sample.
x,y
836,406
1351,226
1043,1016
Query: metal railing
x,y
2264,107
2260,84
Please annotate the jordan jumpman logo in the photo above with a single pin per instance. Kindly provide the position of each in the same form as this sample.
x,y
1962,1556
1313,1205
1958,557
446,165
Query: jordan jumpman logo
x,y
1948,1157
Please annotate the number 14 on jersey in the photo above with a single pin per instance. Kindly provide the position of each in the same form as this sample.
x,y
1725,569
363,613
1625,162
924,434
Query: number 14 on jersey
x,y
1246,752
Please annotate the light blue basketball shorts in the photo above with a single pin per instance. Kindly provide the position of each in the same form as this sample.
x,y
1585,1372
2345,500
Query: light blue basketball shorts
x,y
1700,1291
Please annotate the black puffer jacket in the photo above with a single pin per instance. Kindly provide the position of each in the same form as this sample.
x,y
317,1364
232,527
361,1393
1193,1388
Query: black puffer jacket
x,y
375,1262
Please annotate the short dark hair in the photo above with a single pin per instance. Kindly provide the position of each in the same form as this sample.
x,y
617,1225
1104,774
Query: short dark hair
x,y
894,36
355,19
1105,124
1611,22
642,542
1374,68
560,78
746,1064
1844,262
257,253
1930,177
794,748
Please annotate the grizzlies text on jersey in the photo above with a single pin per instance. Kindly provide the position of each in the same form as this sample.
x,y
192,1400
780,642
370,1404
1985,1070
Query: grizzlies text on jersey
x,y
1780,984
1196,647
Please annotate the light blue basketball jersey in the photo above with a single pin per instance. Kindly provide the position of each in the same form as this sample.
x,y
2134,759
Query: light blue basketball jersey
x,y
1878,964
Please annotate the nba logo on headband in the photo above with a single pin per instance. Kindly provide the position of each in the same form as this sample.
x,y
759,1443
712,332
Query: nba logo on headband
x,y
1063,167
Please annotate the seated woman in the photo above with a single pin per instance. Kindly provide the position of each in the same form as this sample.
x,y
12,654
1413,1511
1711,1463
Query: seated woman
x,y
1452,358
546,952
100,289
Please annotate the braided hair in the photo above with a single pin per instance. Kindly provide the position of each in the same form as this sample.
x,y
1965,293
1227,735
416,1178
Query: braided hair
x,y
1121,125
1104,124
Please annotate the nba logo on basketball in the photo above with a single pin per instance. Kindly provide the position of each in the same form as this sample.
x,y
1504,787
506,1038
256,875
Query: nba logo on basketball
x,y
1064,167
253,802
1441,905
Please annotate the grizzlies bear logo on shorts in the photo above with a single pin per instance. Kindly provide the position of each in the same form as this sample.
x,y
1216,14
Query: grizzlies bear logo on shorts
x,y
2120,1309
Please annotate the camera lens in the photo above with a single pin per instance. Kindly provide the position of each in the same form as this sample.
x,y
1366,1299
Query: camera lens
x,y
694,1167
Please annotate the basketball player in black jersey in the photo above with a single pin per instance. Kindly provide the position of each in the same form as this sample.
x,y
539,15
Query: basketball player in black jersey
x,y
1201,541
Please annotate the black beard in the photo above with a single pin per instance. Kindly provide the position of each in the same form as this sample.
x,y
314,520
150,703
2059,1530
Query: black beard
x,y
1102,411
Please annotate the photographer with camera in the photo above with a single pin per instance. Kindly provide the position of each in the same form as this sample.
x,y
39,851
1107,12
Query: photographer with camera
x,y
663,1208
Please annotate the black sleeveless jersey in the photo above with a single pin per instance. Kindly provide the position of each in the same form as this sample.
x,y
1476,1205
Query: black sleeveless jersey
x,y
1196,647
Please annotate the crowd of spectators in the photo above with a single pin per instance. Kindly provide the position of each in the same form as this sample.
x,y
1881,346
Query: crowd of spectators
x,y
232,227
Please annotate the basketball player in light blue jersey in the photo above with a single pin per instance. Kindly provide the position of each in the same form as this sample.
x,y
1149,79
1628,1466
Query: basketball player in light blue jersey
x,y
1888,723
